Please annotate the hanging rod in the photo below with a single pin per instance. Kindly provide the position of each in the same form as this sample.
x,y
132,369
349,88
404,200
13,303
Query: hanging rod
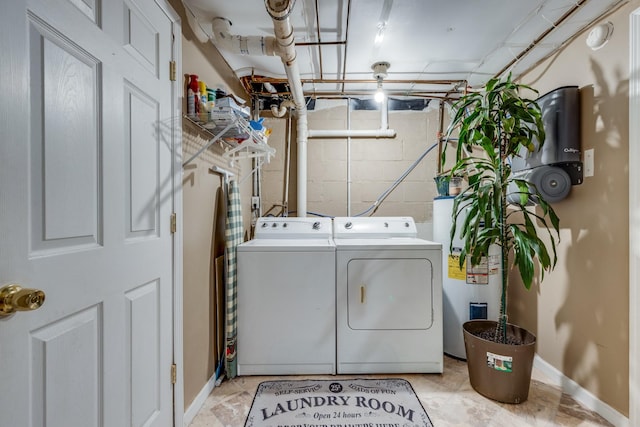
x,y
225,173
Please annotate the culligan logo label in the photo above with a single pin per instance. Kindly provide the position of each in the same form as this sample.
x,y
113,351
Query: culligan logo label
x,y
571,150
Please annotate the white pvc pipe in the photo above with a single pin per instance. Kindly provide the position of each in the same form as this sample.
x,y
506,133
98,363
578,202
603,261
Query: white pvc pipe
x,y
282,45
243,45
349,158
280,111
353,133
279,11
383,132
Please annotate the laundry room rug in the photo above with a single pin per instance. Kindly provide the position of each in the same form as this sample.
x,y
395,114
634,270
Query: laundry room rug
x,y
337,403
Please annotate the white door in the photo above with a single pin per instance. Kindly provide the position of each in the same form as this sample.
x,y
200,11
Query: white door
x,y
85,204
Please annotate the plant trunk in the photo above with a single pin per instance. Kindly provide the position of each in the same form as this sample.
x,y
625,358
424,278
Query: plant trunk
x,y
501,330
501,333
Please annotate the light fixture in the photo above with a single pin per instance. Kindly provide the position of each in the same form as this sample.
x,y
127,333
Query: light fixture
x,y
599,35
379,73
379,96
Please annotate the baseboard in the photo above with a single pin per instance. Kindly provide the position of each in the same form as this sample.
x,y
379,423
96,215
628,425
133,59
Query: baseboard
x,y
581,395
198,401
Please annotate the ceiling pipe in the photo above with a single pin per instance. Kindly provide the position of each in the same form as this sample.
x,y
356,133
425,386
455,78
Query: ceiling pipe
x,y
283,46
242,45
383,132
279,11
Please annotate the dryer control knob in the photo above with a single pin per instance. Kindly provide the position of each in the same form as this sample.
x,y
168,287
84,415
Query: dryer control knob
x,y
264,225
316,225
275,224
348,225
284,225
406,224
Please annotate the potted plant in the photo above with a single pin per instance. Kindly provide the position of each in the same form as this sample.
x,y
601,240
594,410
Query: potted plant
x,y
493,126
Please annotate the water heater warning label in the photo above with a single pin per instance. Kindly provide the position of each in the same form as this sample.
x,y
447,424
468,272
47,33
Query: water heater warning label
x,y
453,266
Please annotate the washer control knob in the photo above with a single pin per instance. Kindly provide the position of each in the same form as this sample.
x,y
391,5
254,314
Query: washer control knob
x,y
386,225
348,225
284,225
275,224
316,225
406,224
264,225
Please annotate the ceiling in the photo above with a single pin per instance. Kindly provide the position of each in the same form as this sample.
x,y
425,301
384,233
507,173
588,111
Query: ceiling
x,y
434,47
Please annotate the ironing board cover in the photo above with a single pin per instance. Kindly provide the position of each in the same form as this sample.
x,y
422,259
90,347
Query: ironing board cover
x,y
233,234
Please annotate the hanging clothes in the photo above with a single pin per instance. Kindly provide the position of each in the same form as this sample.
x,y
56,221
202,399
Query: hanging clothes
x,y
233,234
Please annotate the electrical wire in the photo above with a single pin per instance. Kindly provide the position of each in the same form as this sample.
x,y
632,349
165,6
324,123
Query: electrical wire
x,y
374,207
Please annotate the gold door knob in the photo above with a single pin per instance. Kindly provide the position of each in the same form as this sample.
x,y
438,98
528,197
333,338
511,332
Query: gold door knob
x,y
14,298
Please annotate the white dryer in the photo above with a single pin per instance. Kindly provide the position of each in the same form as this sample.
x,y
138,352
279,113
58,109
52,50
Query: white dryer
x,y
286,298
389,297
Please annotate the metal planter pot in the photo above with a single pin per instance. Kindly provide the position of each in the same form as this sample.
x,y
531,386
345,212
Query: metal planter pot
x,y
498,371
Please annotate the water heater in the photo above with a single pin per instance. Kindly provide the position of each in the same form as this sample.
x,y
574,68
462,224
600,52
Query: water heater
x,y
558,165
468,294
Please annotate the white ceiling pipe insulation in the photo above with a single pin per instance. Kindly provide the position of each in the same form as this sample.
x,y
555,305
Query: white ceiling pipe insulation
x,y
279,11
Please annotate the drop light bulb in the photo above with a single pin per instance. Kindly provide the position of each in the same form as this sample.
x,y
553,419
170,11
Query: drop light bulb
x,y
379,96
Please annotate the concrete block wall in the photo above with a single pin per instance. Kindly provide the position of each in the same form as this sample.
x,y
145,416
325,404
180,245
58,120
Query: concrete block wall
x,y
375,163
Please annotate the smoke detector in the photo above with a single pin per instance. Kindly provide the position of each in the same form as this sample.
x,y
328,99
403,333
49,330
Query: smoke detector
x,y
380,70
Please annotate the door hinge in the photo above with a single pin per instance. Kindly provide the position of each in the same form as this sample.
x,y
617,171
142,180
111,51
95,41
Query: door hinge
x,y
172,71
174,373
173,222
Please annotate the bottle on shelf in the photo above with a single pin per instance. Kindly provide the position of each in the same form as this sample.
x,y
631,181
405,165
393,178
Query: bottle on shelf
x,y
192,89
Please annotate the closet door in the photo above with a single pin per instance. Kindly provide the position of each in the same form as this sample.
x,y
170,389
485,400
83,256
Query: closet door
x,y
85,205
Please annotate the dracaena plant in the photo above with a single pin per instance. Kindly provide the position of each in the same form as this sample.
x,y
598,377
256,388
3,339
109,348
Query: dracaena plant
x,y
494,125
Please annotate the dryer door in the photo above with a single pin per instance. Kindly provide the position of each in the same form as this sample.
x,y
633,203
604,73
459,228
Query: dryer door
x,y
390,294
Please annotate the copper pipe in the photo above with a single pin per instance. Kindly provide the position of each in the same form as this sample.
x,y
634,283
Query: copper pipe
x,y
440,136
442,94
258,79
346,37
319,38
320,43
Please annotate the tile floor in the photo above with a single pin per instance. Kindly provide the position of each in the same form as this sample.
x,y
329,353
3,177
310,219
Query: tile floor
x,y
448,399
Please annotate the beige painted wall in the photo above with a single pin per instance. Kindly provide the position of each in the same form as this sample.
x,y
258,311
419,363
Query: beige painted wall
x,y
580,312
375,164
199,196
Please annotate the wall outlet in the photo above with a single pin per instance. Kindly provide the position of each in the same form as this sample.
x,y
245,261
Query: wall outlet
x,y
588,163
255,202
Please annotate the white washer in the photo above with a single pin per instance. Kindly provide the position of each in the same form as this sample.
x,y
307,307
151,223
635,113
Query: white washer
x,y
389,297
286,298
